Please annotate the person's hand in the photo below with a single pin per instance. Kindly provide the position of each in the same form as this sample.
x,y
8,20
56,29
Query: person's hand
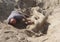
x,y
29,22
23,20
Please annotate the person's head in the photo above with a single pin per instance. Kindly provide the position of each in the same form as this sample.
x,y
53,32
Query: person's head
x,y
12,21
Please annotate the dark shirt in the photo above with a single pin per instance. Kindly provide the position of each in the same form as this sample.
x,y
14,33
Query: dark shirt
x,y
16,15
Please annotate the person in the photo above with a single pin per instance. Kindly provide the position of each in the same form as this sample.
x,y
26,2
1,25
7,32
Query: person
x,y
17,18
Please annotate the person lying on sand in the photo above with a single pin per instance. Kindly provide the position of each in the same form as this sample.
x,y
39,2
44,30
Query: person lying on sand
x,y
16,18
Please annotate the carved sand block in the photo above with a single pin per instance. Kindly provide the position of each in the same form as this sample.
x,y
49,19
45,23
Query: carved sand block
x,y
38,21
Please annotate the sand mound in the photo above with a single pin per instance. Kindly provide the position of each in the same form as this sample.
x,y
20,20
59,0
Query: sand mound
x,y
11,34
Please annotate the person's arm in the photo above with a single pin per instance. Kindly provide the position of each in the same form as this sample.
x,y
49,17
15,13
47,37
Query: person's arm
x,y
29,21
